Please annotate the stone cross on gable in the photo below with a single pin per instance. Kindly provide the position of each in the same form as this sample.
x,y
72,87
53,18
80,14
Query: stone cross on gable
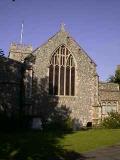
x,y
62,27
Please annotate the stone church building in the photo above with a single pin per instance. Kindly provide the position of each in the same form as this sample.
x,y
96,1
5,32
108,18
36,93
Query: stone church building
x,y
58,73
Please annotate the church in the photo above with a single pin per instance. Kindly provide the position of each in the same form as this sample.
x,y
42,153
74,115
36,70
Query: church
x,y
58,73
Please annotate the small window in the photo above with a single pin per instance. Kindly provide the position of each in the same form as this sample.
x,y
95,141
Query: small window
x,y
108,107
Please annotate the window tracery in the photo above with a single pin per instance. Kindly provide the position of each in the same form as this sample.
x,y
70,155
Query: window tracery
x,y
108,106
62,73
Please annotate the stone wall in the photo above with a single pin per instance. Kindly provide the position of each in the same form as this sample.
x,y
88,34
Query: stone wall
x,y
108,86
10,83
19,52
109,95
86,80
109,91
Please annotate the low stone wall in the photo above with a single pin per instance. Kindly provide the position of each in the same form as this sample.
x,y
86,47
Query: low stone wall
x,y
108,86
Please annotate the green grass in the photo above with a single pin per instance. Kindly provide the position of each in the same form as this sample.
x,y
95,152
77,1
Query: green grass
x,y
36,145
90,140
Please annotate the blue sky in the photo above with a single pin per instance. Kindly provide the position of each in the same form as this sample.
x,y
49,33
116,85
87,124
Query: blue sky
x,y
94,24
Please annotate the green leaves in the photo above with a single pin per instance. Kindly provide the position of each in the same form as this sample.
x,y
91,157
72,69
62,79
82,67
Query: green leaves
x,y
1,53
115,78
112,121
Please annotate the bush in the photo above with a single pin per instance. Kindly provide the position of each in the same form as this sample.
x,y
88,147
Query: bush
x,y
60,119
112,121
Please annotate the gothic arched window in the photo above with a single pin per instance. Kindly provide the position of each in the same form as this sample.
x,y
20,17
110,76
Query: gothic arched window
x,y
62,73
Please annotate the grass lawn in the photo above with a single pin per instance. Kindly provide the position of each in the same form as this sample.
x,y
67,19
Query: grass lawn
x,y
89,140
36,145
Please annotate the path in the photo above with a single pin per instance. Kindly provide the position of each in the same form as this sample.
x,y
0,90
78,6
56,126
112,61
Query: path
x,y
108,153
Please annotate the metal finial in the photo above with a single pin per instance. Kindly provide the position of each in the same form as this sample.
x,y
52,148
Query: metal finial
x,y
62,27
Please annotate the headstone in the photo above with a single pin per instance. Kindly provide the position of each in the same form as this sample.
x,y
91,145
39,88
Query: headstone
x,y
36,123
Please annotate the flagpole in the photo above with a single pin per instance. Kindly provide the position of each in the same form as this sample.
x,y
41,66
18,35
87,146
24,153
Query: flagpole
x,y
21,36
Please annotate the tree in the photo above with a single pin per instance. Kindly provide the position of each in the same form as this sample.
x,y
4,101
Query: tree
x,y
1,53
115,78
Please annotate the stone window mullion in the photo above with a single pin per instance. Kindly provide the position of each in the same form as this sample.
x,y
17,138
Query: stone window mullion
x,y
62,73
70,77
70,82
65,74
59,72
53,74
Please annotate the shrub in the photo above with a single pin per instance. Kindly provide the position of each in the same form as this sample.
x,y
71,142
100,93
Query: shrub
x,y
60,119
112,121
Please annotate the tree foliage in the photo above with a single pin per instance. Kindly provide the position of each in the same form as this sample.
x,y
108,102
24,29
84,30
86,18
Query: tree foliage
x,y
115,78
1,53
112,121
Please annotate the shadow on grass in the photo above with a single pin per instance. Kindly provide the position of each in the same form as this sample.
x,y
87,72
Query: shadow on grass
x,y
35,145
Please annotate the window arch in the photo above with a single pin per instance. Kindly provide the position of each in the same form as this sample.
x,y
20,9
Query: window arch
x,y
62,73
